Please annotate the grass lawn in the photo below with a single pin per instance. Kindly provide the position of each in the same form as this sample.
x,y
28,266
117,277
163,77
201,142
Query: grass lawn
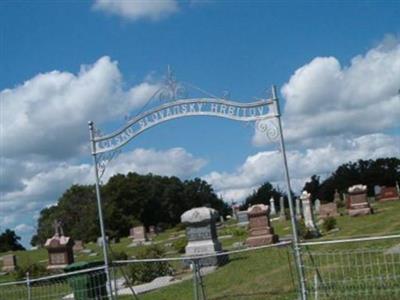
x,y
268,273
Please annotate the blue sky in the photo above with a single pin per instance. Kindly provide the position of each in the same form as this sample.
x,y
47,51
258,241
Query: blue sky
x,y
336,65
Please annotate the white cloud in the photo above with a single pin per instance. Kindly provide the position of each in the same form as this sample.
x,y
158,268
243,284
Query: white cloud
x,y
138,9
268,166
324,98
43,186
48,114
24,228
175,161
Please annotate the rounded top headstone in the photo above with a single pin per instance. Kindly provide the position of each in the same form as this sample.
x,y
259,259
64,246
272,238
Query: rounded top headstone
x,y
258,209
305,196
199,215
359,188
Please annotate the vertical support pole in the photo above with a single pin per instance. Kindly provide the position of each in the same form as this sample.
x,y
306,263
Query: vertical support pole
x,y
115,281
195,285
99,209
297,253
28,286
316,286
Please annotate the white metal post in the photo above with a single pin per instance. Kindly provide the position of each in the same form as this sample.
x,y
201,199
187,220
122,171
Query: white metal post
x,y
99,209
28,286
297,252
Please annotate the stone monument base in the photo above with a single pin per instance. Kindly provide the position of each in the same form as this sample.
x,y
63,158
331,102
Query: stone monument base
x,y
255,241
8,269
209,261
56,267
389,199
359,211
205,248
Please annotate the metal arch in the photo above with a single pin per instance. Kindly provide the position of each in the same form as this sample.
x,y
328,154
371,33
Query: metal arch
x,y
261,103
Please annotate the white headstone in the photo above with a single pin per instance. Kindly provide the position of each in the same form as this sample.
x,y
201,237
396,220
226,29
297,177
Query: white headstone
x,y
272,206
317,205
298,209
282,208
308,213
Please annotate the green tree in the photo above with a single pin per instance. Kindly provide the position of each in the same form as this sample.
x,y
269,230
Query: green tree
x,y
9,241
262,196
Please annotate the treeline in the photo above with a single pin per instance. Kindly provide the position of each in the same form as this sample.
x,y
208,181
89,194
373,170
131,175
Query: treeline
x,y
381,172
128,200
9,241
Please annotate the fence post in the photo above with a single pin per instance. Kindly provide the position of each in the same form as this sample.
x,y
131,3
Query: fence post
x,y
195,291
316,286
28,286
115,281
297,250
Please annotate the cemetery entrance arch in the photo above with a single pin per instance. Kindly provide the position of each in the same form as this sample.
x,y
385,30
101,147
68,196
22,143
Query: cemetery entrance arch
x,y
105,147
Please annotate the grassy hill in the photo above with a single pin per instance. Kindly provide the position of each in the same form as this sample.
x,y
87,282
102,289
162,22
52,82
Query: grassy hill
x,y
255,274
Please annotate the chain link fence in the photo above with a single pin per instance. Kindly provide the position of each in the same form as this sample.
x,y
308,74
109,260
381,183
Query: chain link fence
x,y
366,268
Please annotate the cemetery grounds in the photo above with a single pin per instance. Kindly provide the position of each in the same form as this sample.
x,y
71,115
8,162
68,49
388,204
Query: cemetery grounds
x,y
360,259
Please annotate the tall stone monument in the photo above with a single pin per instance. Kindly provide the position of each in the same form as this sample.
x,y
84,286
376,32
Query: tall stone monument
x,y
235,209
317,205
336,198
282,214
260,229
358,204
308,214
201,233
272,207
298,208
59,248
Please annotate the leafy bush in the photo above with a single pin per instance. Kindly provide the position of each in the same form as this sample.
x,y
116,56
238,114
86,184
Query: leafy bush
x,y
35,270
180,244
119,255
141,272
304,232
239,232
329,223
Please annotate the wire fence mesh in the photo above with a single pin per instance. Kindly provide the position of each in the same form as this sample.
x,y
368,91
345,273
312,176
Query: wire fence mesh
x,y
253,273
86,284
354,269
366,269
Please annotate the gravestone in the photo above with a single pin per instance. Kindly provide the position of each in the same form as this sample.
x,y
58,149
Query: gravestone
x,y
308,214
235,209
317,205
201,233
377,191
152,232
298,208
243,219
260,229
59,248
388,193
282,214
336,197
272,206
78,246
138,233
328,210
358,204
100,241
9,263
